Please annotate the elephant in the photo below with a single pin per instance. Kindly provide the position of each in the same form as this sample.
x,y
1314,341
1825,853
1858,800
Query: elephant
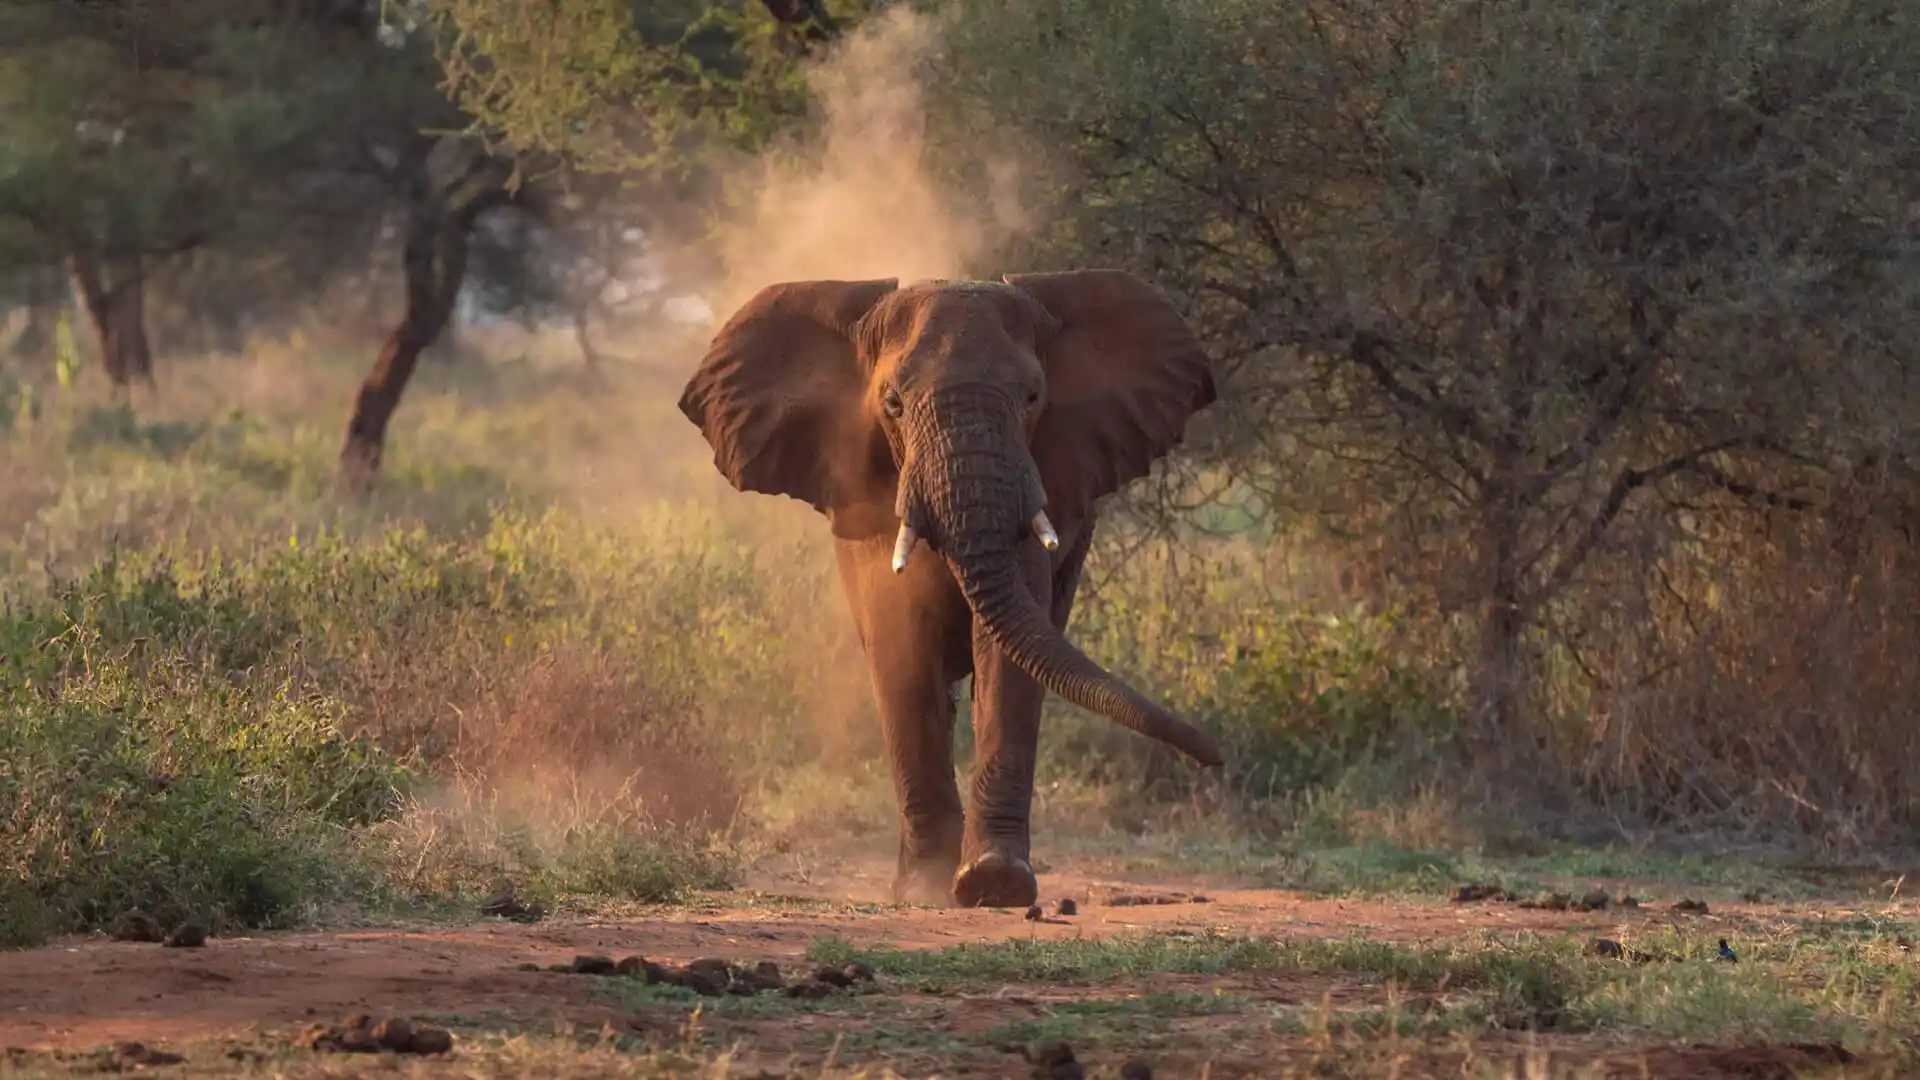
x,y
978,421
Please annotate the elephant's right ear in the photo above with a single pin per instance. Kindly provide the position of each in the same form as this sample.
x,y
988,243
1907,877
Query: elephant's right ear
x,y
779,398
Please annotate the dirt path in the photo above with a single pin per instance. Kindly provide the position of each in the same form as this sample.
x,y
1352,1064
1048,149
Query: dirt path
x,y
85,992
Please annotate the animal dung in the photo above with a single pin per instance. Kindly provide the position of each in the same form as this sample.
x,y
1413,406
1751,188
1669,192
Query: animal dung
x,y
361,1033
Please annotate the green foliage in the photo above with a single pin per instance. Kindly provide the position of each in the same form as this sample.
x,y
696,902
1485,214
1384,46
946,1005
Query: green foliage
x,y
1298,697
456,656
157,789
121,150
612,85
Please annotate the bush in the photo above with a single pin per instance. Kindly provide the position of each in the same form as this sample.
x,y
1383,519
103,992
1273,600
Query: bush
x,y
152,790
1300,699
256,730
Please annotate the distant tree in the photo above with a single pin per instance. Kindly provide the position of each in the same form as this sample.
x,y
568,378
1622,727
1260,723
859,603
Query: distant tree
x,y
444,187
538,96
625,86
132,133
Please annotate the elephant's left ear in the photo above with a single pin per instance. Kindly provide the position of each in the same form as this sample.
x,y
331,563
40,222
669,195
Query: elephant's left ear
x,y
1124,374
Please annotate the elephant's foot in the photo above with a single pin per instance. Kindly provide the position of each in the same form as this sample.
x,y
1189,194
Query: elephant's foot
x,y
995,880
924,881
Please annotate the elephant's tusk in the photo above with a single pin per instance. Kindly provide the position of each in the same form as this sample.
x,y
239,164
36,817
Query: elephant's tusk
x,y
1043,529
903,547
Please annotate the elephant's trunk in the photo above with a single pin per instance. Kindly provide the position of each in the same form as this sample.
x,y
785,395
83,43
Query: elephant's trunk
x,y
983,499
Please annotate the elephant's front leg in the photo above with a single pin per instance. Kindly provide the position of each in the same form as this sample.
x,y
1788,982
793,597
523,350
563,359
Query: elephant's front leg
x,y
996,855
917,718
913,692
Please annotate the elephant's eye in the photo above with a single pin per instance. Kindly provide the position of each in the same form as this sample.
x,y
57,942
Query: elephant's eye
x,y
1033,398
890,401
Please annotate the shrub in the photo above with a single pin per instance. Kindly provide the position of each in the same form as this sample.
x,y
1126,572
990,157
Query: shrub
x,y
151,789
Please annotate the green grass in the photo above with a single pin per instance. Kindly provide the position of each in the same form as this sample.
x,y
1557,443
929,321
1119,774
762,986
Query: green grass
x,y
1791,988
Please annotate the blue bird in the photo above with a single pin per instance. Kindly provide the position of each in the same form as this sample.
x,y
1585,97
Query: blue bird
x,y
1726,953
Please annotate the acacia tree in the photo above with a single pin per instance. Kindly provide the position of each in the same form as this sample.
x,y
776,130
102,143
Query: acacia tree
x,y
131,135
528,96
441,204
1514,272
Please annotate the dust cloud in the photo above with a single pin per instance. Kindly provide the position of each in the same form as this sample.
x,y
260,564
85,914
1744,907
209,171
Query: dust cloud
x,y
860,196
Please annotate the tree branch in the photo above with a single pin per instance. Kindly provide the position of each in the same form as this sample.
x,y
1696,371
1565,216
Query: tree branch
x,y
1623,486
1369,351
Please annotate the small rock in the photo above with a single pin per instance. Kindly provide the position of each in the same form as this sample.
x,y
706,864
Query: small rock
x,y
764,975
706,982
1052,1052
1067,907
431,1040
1136,1070
589,964
833,976
1054,1060
394,1033
505,905
712,965
360,1033
1691,906
188,935
135,925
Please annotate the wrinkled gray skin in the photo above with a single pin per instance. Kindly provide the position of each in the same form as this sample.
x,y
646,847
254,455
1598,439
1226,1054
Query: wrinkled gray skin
x,y
962,410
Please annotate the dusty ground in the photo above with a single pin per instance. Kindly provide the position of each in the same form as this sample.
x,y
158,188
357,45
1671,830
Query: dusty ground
x,y
88,992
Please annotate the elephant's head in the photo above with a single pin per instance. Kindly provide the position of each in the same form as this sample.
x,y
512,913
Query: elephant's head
x,y
970,415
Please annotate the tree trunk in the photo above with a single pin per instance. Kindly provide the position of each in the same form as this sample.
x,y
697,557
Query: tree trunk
x,y
114,296
1500,675
434,259
587,351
